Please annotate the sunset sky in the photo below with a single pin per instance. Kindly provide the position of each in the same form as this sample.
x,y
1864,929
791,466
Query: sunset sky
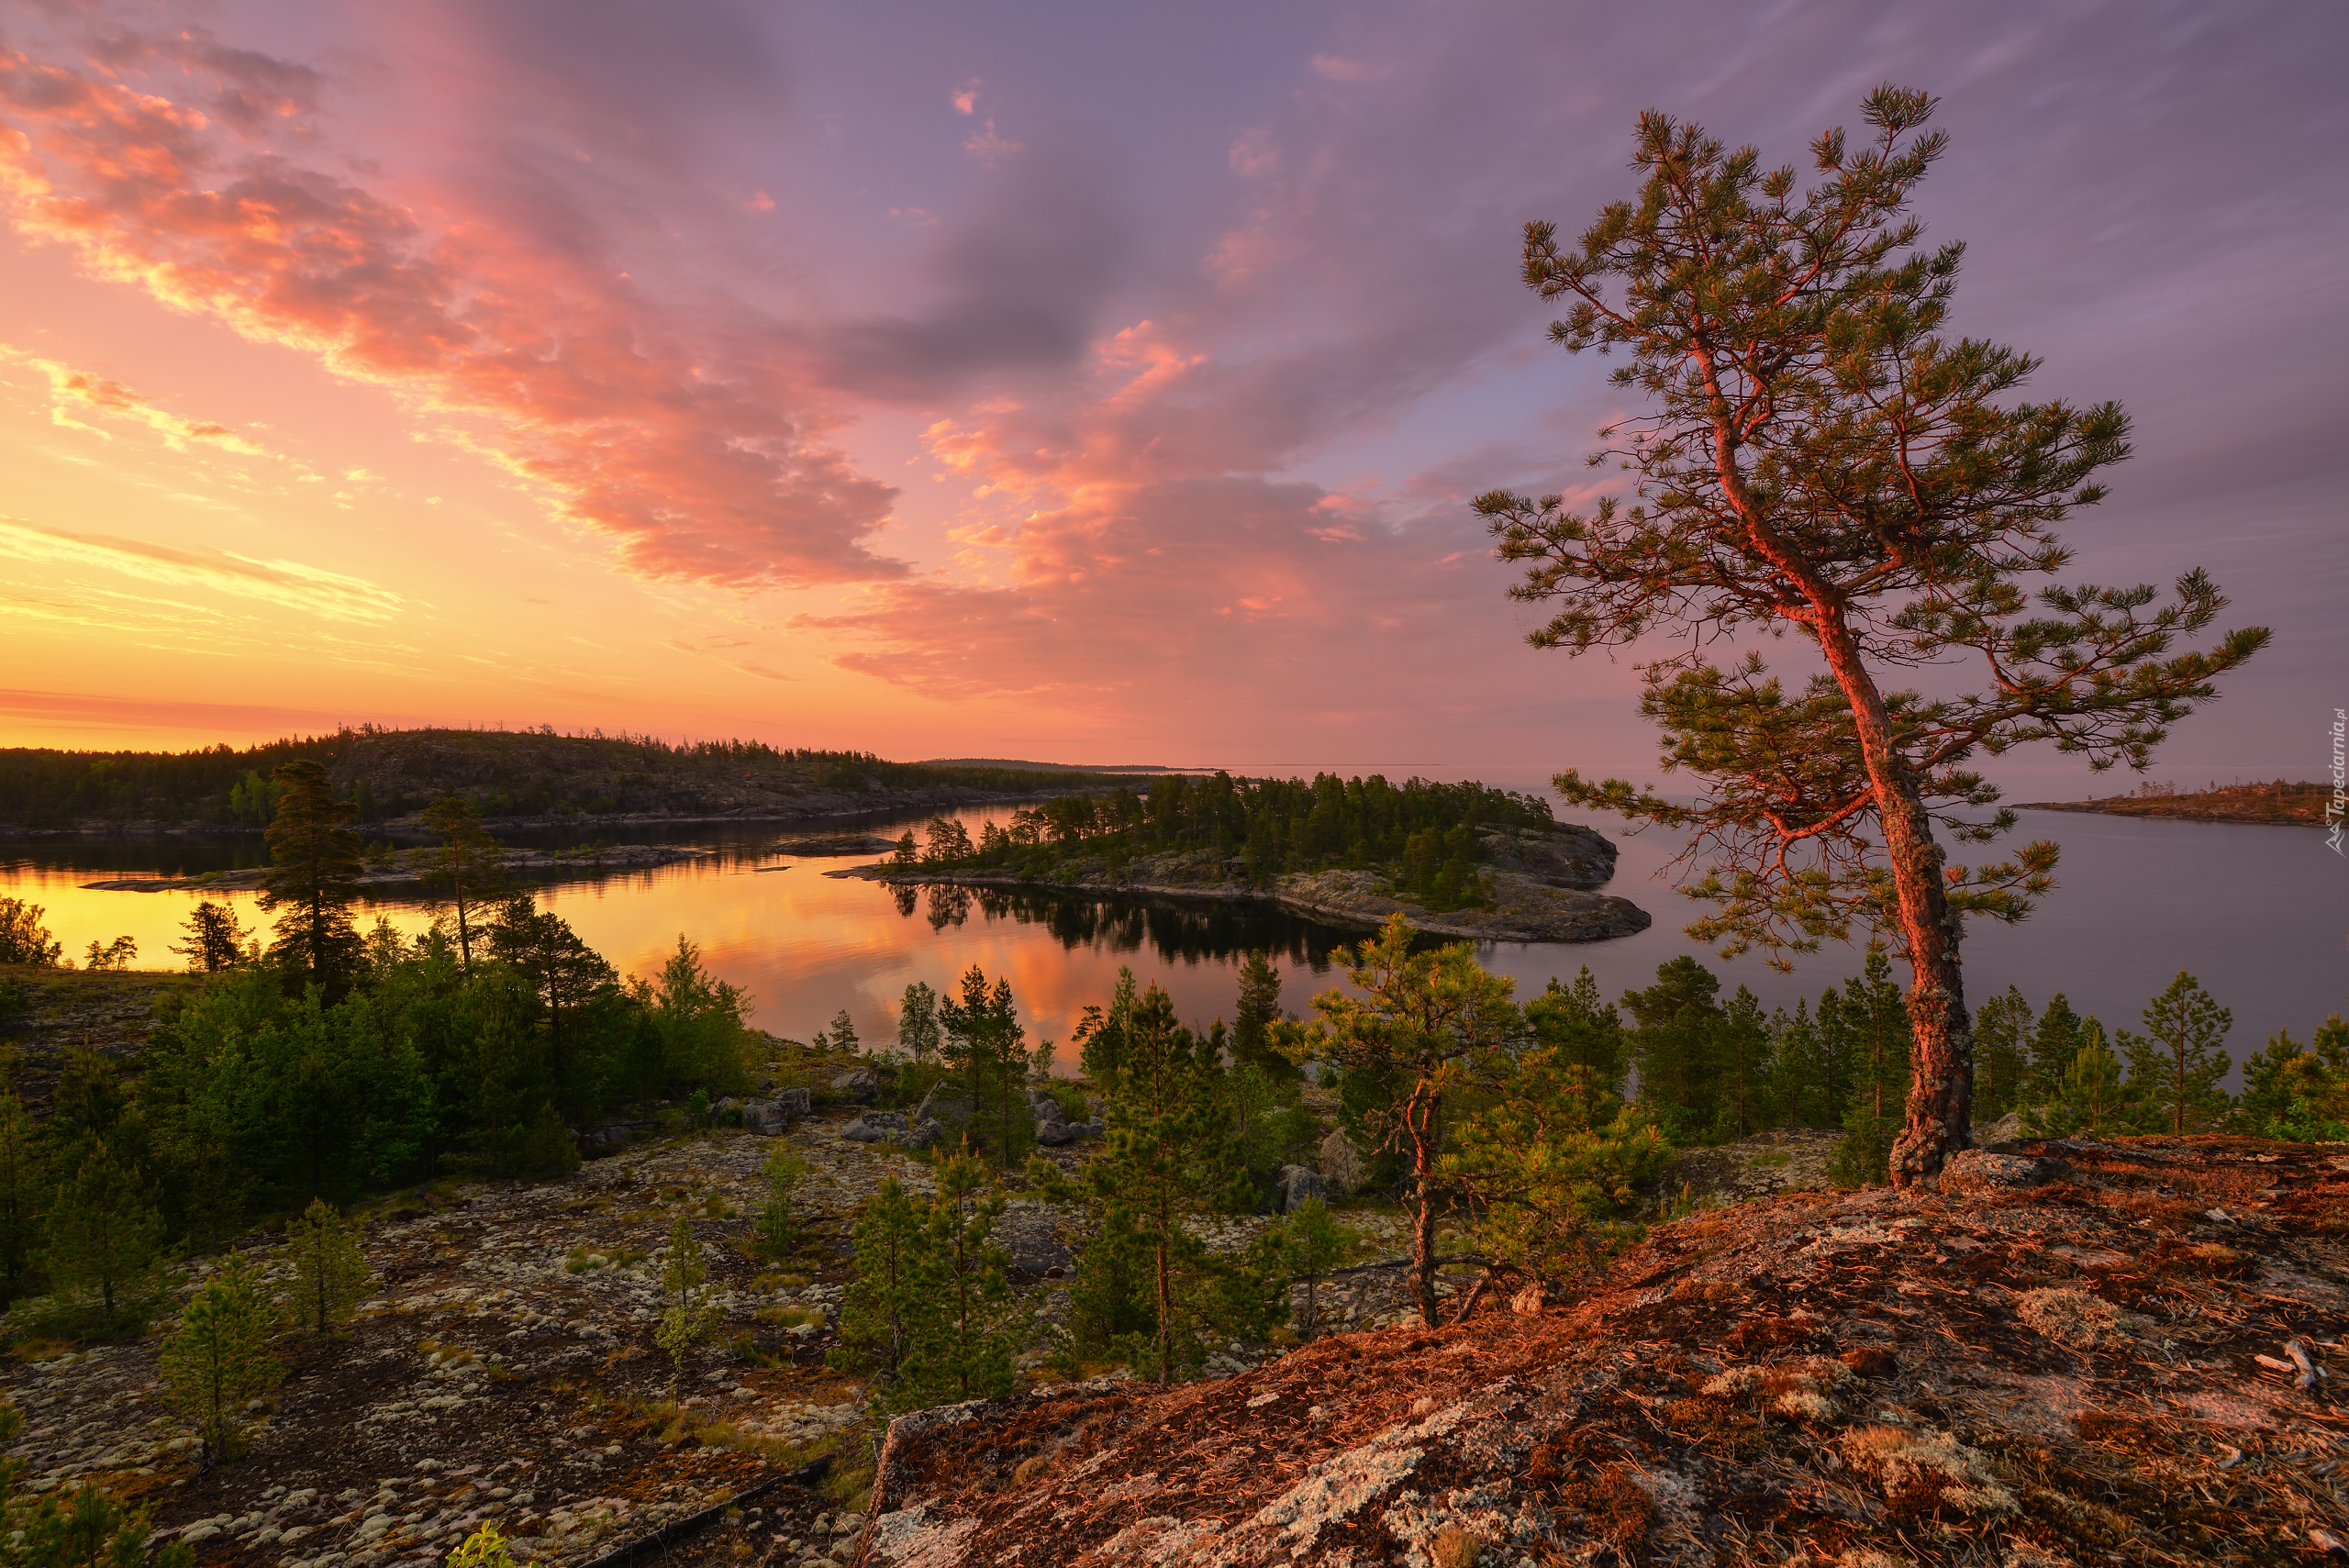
x,y
1092,383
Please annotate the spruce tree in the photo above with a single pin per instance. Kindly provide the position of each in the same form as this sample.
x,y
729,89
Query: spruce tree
x,y
1101,1033
1586,1034
2001,1060
1257,1010
977,1326
984,1046
1171,1157
918,1034
1676,1042
464,867
2055,1044
2091,1097
2181,1059
104,1241
330,1272
314,878
218,1357
1743,1053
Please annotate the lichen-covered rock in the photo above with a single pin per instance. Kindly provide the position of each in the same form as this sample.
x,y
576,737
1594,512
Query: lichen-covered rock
x,y
858,1085
1340,1164
875,1125
1300,1183
1982,1172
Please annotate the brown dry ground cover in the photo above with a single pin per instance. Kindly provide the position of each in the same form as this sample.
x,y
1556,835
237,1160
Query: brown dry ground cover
x,y
2053,1361
2278,802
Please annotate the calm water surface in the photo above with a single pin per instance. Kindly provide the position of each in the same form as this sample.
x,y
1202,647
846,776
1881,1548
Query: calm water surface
x,y
2260,914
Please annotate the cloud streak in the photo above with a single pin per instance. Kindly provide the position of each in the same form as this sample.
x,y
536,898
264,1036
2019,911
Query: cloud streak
x,y
71,392
698,466
288,585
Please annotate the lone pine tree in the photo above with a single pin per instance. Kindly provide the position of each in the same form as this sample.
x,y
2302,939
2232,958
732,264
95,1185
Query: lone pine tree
x,y
1816,457
313,877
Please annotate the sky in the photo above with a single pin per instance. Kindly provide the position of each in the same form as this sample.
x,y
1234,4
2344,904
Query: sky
x,y
1081,382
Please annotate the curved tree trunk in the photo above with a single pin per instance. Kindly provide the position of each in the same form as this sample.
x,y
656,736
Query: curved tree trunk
x,y
1941,1083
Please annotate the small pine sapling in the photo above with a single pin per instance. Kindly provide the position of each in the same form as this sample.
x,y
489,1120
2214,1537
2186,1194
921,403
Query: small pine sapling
x,y
687,1315
218,1357
1313,1242
330,1273
776,1233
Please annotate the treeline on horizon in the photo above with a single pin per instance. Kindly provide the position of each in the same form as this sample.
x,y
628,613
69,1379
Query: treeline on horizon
x,y
391,772
1425,836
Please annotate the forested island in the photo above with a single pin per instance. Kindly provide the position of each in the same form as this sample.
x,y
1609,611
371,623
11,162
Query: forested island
x,y
512,778
1452,860
2279,802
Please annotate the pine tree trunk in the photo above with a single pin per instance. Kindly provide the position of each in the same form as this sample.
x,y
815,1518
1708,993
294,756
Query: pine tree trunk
x,y
1423,1222
1940,1084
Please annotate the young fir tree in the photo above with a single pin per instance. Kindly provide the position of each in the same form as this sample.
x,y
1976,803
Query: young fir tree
x,y
1257,1010
1170,1158
313,878
1814,1068
1675,1041
1745,1051
2001,1060
1814,455
977,1327
918,1034
1101,1033
2091,1097
330,1272
688,1316
463,868
2296,1093
214,940
1423,1027
1586,1033
1312,1241
104,1241
984,1046
218,1358
890,1308
2054,1045
2178,1063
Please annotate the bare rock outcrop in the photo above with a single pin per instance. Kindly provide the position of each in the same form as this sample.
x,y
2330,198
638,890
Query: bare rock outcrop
x,y
2099,1360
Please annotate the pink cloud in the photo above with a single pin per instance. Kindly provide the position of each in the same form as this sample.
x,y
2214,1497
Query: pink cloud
x,y
698,465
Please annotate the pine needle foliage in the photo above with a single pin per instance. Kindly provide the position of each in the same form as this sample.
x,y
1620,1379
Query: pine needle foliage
x,y
218,1357
1815,456
330,1272
688,1316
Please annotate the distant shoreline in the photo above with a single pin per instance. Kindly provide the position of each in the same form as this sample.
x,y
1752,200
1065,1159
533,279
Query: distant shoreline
x,y
2276,805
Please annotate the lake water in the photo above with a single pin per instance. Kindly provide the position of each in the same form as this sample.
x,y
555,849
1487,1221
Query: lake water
x,y
2259,914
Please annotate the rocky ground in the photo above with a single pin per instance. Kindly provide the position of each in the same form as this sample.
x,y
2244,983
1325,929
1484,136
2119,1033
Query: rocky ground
x,y
507,1370
2071,1354
45,1014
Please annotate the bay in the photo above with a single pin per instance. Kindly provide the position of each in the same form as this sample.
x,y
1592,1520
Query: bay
x,y
2259,914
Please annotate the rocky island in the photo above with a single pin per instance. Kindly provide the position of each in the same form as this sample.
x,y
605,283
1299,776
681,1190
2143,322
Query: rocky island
x,y
1536,887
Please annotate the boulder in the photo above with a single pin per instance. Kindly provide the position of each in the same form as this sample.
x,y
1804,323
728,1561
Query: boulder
x,y
609,1137
1054,1133
942,1103
859,1084
923,1135
875,1125
1341,1166
1300,1183
768,1119
795,1102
